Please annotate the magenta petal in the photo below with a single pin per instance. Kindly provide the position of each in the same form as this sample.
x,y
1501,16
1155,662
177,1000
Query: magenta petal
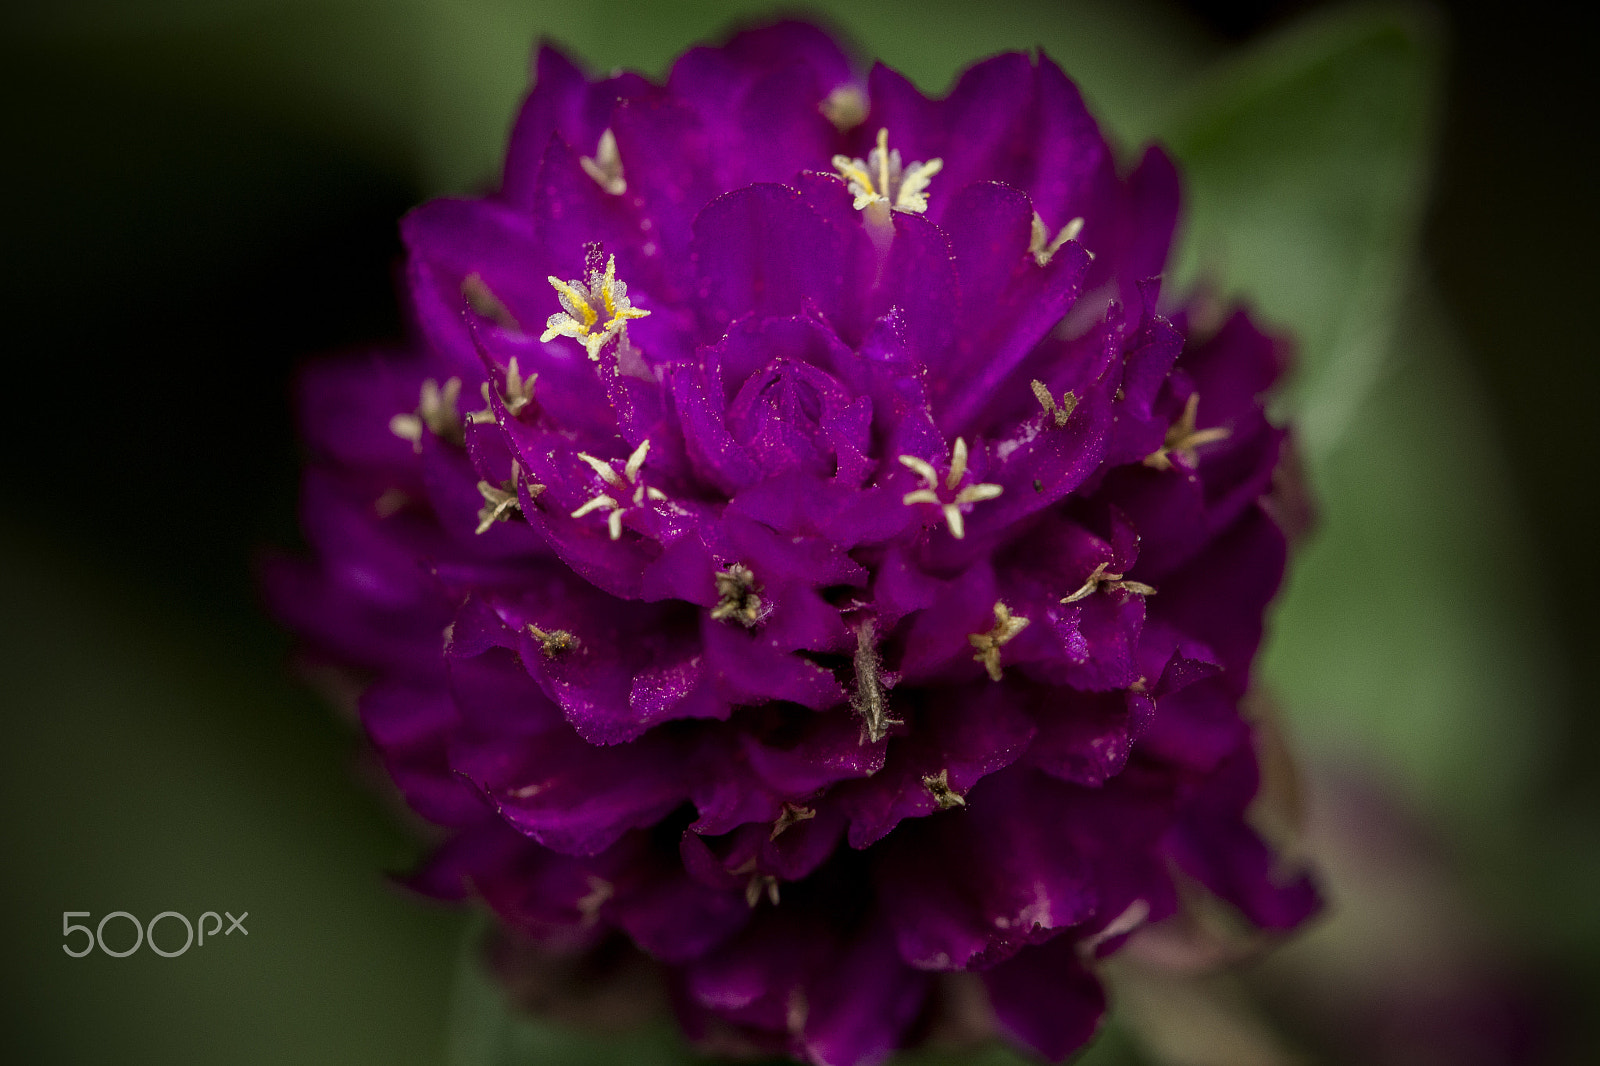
x,y
707,77
496,695
702,412
989,225
410,726
778,415
543,896
558,102
1149,218
994,874
449,241
911,118
939,644
753,978
396,715
861,1004
797,852
345,406
919,282
565,103
829,749
985,122
656,135
1085,738
1215,845
577,212
367,600
1234,368
1046,999
1197,726
1233,579
673,689
1051,296
1072,167
1044,462
745,668
726,797
677,919
762,249
776,151
450,871
572,797
625,672
973,731
1151,352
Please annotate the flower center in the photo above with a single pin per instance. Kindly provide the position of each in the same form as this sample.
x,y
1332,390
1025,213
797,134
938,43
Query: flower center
x,y
1103,578
622,484
987,645
881,179
1183,439
553,642
500,503
593,311
931,492
436,412
1044,247
938,786
605,166
1056,413
736,596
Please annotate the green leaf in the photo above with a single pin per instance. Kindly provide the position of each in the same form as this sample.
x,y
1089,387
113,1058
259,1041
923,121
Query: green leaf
x,y
1306,160
1411,635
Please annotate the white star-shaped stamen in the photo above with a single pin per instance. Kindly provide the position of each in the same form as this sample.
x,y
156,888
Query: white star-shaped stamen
x,y
622,484
930,492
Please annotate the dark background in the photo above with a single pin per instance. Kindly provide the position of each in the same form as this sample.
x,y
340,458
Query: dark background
x,y
171,256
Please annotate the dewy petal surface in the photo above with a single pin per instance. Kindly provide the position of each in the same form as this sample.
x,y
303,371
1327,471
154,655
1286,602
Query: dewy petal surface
x,y
815,586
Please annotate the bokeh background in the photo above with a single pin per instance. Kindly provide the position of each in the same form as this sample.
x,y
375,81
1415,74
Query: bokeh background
x,y
198,194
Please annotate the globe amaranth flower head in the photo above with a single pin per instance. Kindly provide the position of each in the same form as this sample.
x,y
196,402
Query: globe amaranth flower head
x,y
801,544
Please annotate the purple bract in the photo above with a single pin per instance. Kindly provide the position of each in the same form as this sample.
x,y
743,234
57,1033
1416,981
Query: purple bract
x,y
800,542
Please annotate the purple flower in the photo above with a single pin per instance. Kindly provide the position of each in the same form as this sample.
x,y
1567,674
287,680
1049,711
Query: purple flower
x,y
802,544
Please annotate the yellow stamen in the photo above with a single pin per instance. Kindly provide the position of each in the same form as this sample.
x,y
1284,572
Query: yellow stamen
x,y
736,596
988,645
871,698
881,179
938,786
553,642
579,300
1069,403
1101,579
1183,439
792,814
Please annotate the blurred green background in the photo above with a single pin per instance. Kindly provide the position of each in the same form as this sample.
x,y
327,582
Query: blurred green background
x,y
200,193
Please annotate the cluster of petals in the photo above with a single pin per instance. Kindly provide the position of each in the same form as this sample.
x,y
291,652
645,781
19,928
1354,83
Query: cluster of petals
x,y
850,592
